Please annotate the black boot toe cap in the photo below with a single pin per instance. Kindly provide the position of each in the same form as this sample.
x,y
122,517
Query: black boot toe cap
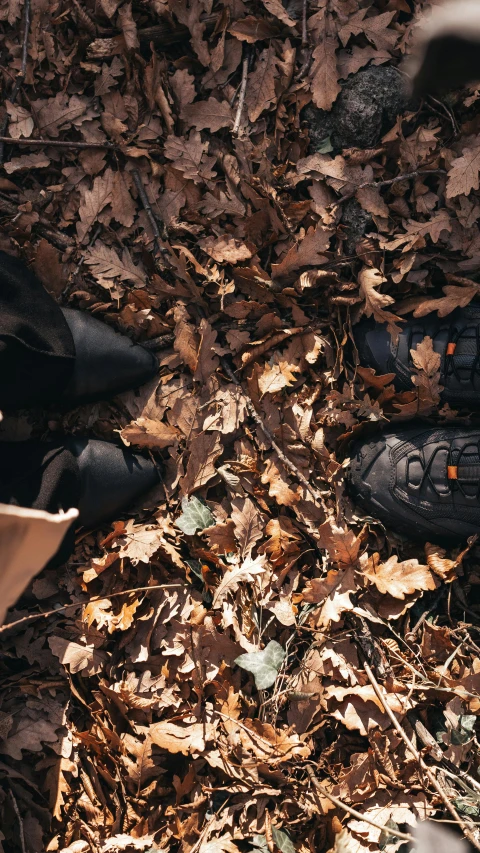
x,y
106,362
111,478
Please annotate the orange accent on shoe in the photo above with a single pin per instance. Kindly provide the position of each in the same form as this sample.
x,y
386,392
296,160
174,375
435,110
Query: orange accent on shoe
x,y
451,349
452,472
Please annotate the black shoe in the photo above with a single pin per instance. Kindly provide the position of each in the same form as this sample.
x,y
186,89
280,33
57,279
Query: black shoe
x,y
455,337
422,482
110,479
106,362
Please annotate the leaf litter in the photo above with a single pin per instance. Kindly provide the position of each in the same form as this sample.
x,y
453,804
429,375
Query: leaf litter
x,y
176,685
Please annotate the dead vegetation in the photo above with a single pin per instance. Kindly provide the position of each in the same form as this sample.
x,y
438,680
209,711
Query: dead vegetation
x,y
244,663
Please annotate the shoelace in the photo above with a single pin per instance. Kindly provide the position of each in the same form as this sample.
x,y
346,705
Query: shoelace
x,y
458,475
450,367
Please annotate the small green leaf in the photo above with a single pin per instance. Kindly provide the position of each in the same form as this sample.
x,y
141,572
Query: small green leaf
x,y
264,664
325,146
260,843
195,516
282,840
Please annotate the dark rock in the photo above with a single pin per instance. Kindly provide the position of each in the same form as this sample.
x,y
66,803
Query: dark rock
x,y
366,108
357,222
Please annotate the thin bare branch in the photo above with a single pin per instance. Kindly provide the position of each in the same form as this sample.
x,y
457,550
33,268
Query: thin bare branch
x,y
241,97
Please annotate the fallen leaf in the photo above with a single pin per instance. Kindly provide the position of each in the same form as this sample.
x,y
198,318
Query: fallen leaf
x,y
398,579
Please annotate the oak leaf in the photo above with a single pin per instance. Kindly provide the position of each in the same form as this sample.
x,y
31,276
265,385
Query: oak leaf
x,y
260,92
463,177
373,27
189,156
107,266
211,114
334,593
188,739
226,249
78,658
324,75
398,579
369,279
276,8
204,450
93,202
123,205
307,253
128,26
246,571
21,123
145,432
248,523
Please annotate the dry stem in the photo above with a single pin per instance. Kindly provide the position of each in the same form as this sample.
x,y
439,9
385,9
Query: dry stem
x,y
256,417
353,812
21,76
413,751
241,97
388,183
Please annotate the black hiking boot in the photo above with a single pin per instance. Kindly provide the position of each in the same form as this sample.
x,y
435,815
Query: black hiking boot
x,y
420,481
455,337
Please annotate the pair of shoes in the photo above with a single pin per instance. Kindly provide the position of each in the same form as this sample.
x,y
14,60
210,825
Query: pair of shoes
x,y
424,482
106,363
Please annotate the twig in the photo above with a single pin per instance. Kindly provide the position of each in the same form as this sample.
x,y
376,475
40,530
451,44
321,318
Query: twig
x,y
241,97
158,343
33,616
20,822
43,226
317,497
353,812
59,143
412,749
377,184
21,76
304,24
148,209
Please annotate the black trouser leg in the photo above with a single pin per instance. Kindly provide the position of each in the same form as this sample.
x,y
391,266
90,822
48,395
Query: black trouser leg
x,y
37,352
40,476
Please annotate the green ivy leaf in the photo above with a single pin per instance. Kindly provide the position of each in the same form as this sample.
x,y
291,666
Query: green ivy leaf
x,y
264,664
282,840
195,516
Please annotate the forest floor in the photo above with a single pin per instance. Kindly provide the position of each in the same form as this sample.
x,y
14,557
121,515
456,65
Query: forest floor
x,y
220,179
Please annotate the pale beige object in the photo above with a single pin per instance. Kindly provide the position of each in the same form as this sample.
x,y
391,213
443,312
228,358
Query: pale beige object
x,y
28,540
454,26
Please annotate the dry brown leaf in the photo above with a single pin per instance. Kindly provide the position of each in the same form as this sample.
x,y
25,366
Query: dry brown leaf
x,y
146,432
333,592
78,658
307,253
324,74
248,523
245,572
211,114
190,739
463,176
375,302
398,579
204,450
260,93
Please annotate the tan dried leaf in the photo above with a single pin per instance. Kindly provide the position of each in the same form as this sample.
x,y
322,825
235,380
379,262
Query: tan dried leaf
x,y
398,579
204,450
260,92
225,249
324,75
236,575
20,123
211,114
123,205
334,591
248,523
128,26
307,253
463,177
78,658
145,432
93,202
369,279
107,266
276,8
190,739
